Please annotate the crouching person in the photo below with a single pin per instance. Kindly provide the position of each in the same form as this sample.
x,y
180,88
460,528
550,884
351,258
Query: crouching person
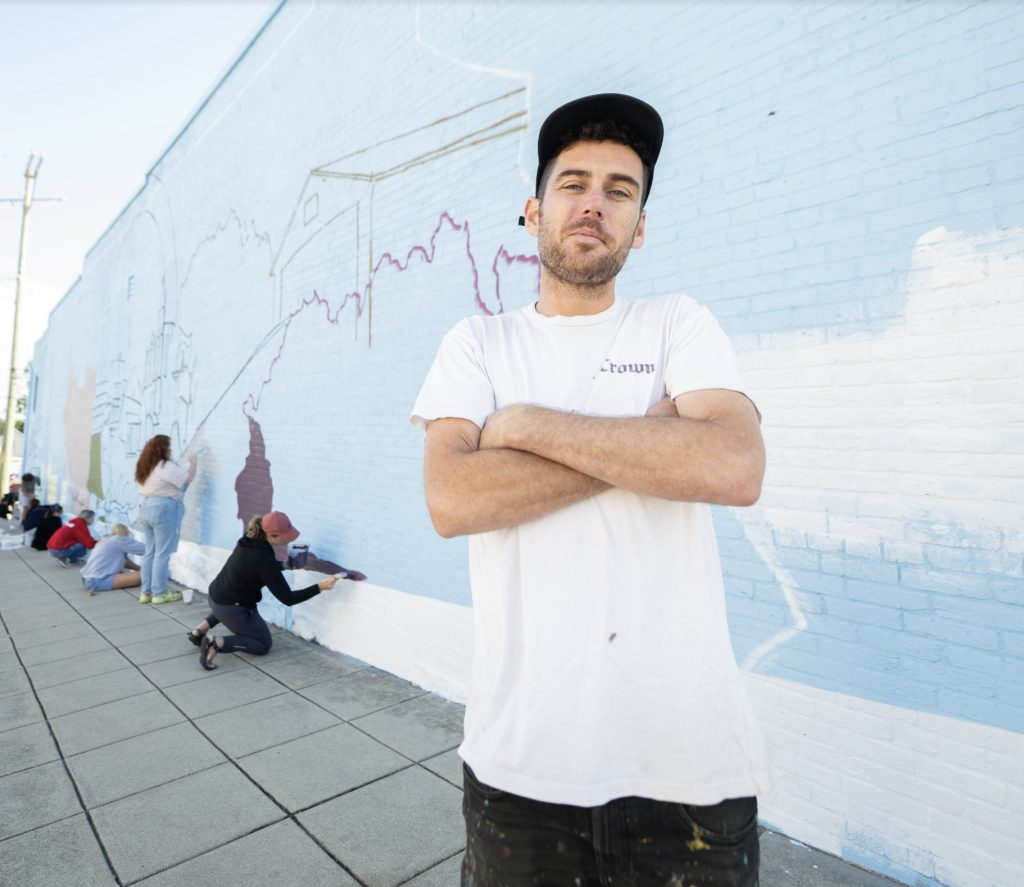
x,y
108,565
73,541
237,589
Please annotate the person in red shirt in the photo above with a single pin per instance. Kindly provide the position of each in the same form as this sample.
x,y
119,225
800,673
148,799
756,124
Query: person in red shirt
x,y
70,543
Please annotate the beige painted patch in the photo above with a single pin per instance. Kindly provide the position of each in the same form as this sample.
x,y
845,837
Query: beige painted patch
x,y
78,437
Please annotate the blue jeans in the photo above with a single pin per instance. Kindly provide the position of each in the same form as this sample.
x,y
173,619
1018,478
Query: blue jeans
x,y
72,552
513,841
160,522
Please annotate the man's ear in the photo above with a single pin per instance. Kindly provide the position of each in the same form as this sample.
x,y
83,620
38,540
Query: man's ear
x,y
638,235
530,213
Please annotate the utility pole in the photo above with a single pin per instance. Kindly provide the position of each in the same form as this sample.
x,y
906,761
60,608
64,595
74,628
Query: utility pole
x,y
31,171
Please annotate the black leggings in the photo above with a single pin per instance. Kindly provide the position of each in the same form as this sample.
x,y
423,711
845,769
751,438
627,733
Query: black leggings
x,y
249,632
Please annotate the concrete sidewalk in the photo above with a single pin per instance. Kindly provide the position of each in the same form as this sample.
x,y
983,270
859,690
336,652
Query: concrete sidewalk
x,y
123,762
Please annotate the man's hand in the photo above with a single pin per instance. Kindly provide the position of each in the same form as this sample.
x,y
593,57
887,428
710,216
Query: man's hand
x,y
328,583
501,426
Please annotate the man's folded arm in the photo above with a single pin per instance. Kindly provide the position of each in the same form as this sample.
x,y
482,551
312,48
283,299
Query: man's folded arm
x,y
531,461
711,450
473,490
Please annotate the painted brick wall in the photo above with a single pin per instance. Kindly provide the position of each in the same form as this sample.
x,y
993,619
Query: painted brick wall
x,y
842,184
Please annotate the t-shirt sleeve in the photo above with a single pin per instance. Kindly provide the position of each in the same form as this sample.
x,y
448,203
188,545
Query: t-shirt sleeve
x,y
700,356
174,474
457,385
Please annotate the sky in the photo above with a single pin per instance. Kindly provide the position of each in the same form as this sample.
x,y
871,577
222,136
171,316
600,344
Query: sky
x,y
100,89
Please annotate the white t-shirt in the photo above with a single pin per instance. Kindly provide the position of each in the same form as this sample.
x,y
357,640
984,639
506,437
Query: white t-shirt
x,y
167,479
602,664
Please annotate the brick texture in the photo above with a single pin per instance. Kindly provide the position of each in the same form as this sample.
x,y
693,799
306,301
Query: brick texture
x,y
841,184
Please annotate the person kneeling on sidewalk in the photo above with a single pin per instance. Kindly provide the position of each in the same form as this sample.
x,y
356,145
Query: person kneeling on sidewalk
x,y
237,589
108,566
72,541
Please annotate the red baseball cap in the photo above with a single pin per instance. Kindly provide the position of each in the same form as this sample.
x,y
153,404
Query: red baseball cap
x,y
277,523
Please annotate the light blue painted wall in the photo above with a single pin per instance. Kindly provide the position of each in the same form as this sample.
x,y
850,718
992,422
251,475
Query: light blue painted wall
x,y
813,152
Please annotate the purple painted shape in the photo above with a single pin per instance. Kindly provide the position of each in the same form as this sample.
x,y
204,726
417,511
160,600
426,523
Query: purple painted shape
x,y
254,486
320,565
503,255
427,252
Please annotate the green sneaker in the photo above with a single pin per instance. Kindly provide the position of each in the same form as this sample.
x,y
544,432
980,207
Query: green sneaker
x,y
145,598
168,597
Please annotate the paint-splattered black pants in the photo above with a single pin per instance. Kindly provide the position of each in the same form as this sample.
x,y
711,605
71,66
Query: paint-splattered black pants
x,y
629,842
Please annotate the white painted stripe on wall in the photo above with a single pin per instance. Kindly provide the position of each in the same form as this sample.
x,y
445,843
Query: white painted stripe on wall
x,y
873,782
426,641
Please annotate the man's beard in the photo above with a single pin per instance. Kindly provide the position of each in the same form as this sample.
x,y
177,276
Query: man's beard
x,y
580,270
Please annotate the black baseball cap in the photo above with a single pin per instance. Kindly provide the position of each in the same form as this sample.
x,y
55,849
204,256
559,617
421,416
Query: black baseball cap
x,y
640,117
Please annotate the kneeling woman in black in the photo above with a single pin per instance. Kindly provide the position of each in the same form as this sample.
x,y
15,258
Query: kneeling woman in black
x,y
236,590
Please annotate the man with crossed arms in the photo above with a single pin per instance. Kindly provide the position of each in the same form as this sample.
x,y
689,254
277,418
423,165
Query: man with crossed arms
x,y
579,441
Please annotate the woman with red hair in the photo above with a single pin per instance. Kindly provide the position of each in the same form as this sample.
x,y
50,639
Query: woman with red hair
x,y
162,484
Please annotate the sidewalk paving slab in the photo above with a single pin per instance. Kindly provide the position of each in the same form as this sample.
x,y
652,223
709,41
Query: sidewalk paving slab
x,y
46,636
25,747
445,874
314,768
90,692
65,649
130,766
276,856
110,722
21,621
221,689
303,767
63,671
132,614
185,669
265,723
154,648
147,631
418,728
361,693
18,710
8,662
447,765
299,669
172,823
419,812
14,683
35,797
64,854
